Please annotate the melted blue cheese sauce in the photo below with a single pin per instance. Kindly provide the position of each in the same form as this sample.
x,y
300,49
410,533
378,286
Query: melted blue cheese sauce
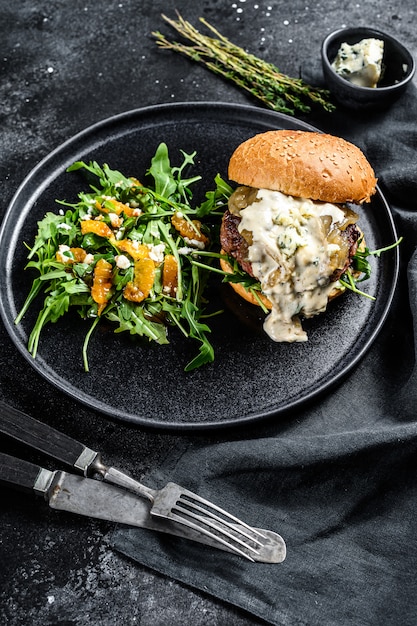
x,y
290,256
361,63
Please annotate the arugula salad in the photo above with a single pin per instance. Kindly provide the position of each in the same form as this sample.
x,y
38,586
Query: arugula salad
x,y
130,254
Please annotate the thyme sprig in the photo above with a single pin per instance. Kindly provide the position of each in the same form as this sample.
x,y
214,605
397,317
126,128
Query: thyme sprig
x,y
260,78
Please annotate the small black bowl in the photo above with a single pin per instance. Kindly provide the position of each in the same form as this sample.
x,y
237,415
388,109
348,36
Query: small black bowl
x,y
398,64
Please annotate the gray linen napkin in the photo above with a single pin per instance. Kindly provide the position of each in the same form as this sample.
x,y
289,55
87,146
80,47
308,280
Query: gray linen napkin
x,y
337,479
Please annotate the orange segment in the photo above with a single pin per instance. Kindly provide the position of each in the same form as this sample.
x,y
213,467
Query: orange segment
x,y
97,227
102,283
170,275
144,275
190,230
78,256
134,248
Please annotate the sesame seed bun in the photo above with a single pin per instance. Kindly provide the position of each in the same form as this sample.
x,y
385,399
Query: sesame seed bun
x,y
304,164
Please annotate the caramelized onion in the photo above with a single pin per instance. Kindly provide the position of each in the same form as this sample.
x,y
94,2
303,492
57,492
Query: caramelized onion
x,y
241,198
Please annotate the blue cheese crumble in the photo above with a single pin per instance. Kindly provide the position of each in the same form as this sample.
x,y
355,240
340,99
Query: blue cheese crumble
x,y
361,63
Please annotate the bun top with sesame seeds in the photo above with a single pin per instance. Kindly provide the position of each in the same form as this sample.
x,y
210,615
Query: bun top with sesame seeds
x,y
304,164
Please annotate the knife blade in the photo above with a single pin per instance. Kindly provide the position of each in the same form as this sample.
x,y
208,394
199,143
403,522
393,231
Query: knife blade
x,y
90,498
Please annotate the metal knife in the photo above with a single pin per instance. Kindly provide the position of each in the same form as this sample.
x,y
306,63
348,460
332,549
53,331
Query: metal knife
x,y
91,498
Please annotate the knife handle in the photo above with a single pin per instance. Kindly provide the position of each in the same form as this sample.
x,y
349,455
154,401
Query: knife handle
x,y
44,438
22,474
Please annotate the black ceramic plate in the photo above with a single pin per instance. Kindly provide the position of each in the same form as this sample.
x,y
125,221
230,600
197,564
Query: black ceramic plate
x,y
251,377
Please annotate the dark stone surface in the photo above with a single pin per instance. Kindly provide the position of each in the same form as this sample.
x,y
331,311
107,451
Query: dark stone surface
x,y
63,66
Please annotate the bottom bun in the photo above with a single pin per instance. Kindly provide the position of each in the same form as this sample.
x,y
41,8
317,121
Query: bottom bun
x,y
337,291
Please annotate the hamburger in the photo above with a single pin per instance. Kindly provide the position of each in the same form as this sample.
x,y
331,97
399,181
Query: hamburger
x,y
290,231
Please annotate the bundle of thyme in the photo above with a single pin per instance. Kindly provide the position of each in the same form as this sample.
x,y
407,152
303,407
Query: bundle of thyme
x,y
260,78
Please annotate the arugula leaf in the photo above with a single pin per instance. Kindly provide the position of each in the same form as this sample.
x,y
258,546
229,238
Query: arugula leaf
x,y
348,281
47,230
107,177
161,171
361,264
216,199
134,320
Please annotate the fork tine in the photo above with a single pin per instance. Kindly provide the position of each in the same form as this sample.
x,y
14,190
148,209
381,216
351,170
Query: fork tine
x,y
188,503
192,497
223,522
208,533
219,527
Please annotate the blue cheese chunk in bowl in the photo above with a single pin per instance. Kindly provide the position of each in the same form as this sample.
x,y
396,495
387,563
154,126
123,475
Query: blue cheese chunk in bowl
x,y
360,63
365,68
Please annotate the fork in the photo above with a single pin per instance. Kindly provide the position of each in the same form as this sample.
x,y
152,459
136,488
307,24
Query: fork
x,y
172,502
183,506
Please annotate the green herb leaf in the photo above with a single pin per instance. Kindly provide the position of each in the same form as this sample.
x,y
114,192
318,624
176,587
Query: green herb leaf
x,y
161,172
